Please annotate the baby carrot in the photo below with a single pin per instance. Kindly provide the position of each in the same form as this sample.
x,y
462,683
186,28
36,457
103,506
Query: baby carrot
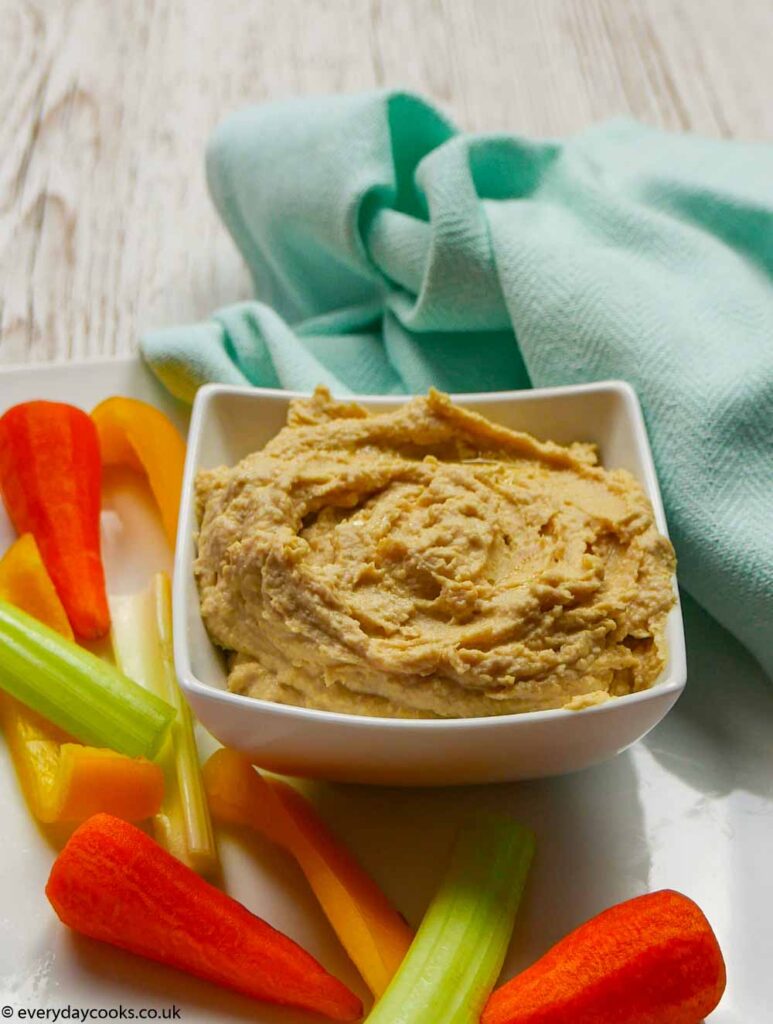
x,y
651,960
112,882
50,474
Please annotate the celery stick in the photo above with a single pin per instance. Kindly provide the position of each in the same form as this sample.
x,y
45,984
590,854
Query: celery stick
x,y
456,957
76,690
142,641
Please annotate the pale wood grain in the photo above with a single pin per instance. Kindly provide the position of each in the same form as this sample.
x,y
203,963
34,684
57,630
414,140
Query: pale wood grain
x,y
105,226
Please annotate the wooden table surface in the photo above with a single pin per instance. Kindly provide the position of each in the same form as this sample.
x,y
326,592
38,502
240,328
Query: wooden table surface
x,y
105,225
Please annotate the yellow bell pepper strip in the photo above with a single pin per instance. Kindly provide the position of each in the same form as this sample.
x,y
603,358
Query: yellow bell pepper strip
x,y
24,581
34,745
374,935
140,437
61,780
142,642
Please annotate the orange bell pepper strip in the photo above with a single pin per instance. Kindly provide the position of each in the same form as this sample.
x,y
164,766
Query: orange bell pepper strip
x,y
140,437
67,782
50,479
63,780
111,882
372,932
92,779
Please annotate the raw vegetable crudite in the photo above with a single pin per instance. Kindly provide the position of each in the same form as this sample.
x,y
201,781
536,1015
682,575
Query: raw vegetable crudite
x,y
90,780
61,780
142,641
374,935
71,687
50,478
650,960
458,951
113,883
139,436
68,782
24,581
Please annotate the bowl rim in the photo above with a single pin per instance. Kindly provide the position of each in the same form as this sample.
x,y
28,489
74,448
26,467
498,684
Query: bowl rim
x,y
673,682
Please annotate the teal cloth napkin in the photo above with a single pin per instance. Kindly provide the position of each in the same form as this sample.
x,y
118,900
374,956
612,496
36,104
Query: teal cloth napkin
x,y
391,252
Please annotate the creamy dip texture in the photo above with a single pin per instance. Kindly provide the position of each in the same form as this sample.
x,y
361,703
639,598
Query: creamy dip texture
x,y
427,562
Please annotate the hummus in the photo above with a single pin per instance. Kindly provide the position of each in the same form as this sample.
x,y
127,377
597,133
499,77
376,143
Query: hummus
x,y
428,563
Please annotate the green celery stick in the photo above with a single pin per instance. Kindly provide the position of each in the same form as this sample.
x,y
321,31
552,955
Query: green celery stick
x,y
76,690
456,957
142,641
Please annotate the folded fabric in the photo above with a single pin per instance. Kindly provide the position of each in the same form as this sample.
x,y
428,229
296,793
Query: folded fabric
x,y
390,253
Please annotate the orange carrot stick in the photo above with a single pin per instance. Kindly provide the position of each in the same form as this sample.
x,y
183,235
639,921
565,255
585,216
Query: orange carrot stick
x,y
374,935
650,960
139,436
50,477
113,883
64,781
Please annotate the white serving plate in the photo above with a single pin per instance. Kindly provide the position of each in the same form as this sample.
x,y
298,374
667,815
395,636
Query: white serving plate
x,y
690,807
229,423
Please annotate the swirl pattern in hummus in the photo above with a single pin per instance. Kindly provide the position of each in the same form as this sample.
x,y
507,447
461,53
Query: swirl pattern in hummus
x,y
426,562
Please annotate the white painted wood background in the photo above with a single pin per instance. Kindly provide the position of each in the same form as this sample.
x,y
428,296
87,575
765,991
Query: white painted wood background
x,y
105,226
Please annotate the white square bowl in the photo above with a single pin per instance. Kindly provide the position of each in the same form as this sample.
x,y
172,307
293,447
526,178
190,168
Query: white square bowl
x,y
230,422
